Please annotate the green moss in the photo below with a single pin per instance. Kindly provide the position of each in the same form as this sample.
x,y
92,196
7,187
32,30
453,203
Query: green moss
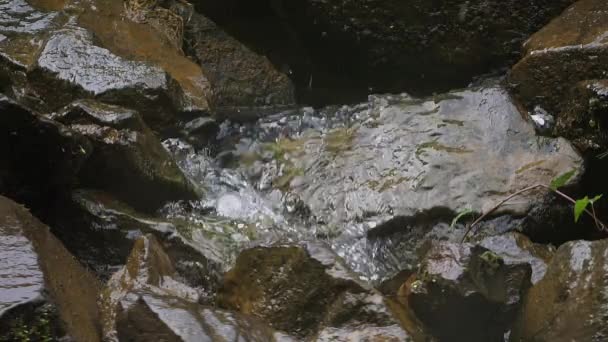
x,y
435,145
39,328
454,122
529,166
340,140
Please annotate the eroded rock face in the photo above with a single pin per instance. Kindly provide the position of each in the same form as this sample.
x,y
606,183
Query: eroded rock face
x,y
246,84
35,269
561,69
465,292
127,159
144,302
307,292
570,302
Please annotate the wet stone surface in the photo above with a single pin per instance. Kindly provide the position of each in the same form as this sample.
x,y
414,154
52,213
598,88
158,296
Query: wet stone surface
x,y
307,291
42,286
368,176
466,292
570,302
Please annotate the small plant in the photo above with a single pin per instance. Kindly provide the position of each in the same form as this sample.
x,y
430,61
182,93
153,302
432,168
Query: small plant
x,y
580,206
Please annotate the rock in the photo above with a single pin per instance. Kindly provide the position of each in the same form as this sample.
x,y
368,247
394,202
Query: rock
x,y
144,302
465,292
245,84
469,148
39,158
37,269
101,231
127,159
515,248
583,119
51,58
569,50
306,291
569,303
424,46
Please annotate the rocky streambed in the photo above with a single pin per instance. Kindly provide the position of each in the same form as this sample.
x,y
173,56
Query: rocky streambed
x,y
165,176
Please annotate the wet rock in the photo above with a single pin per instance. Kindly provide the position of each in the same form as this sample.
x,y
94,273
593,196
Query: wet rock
x,y
144,302
583,119
200,132
127,159
465,292
569,303
39,158
101,231
469,148
37,269
306,291
515,248
245,84
571,49
52,58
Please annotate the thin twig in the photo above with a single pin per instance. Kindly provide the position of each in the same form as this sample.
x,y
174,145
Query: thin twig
x,y
599,224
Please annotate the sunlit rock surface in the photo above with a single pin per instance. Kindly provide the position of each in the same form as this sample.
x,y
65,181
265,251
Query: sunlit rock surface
x,y
570,302
35,269
398,156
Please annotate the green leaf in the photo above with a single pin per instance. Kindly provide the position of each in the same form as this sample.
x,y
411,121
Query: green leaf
x,y
461,214
580,207
560,181
595,199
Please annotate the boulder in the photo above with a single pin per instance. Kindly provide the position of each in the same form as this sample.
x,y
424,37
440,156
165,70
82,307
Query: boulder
x,y
561,65
39,158
51,58
144,302
466,292
569,303
245,84
127,159
307,291
350,166
101,231
515,248
36,271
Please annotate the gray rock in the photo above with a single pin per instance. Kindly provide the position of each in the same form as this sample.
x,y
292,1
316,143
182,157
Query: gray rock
x,y
399,156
